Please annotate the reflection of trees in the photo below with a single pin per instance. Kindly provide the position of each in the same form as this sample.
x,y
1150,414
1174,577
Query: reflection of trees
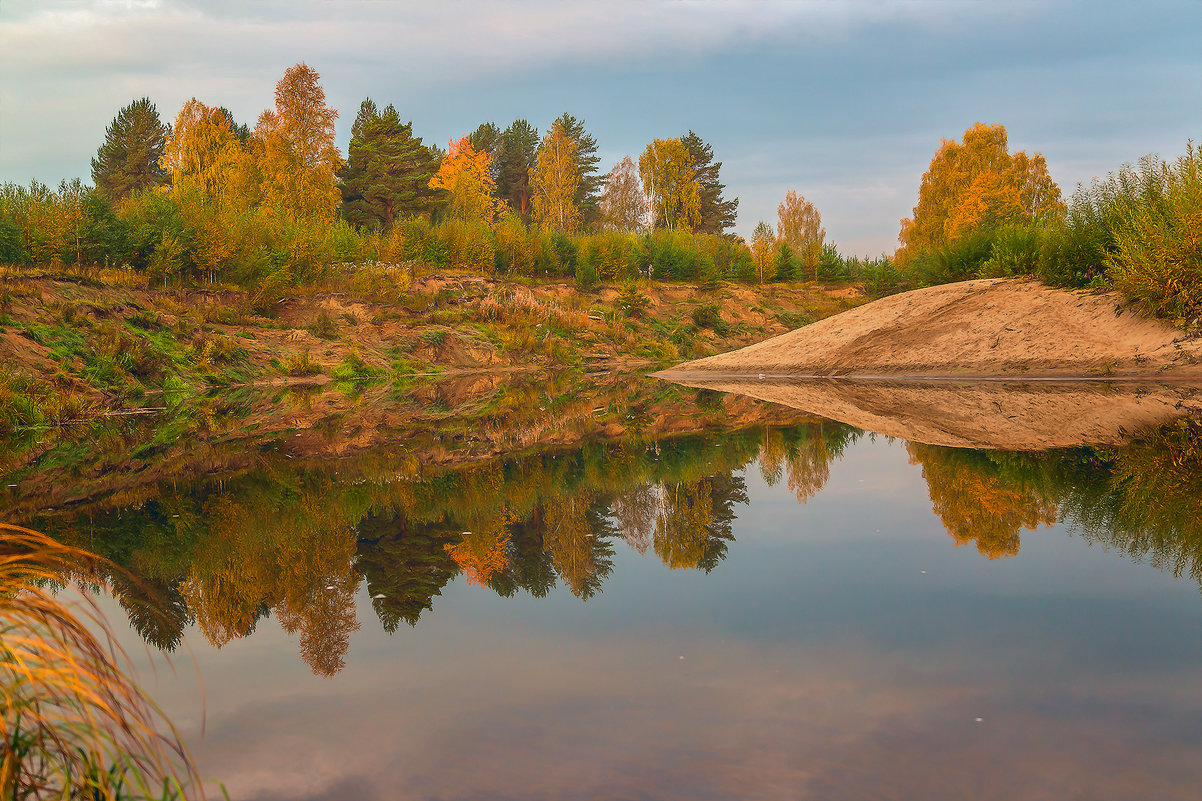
x,y
976,503
325,617
530,567
481,554
634,510
772,456
405,567
289,550
1149,503
156,608
694,524
814,447
576,534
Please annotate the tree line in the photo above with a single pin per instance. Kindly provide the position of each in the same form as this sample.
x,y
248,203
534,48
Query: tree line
x,y
208,198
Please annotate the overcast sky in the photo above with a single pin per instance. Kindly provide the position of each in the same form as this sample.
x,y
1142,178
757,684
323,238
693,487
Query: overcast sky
x,y
844,101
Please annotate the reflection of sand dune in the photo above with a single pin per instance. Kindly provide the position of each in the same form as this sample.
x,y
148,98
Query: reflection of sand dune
x,y
980,414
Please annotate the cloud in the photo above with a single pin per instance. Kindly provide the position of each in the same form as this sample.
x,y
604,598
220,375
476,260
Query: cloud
x,y
837,98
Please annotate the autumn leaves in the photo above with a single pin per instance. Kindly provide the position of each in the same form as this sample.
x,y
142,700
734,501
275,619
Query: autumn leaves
x,y
287,164
978,185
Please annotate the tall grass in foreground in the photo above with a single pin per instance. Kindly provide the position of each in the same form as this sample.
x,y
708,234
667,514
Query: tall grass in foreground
x,y
73,723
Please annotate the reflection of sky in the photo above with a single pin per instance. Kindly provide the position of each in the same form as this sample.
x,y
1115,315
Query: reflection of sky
x,y
817,661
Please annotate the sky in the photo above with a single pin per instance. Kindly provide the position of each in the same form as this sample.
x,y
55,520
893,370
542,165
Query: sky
x,y
843,101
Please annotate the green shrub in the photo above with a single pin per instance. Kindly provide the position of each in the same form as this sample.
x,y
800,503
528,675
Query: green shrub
x,y
632,302
353,367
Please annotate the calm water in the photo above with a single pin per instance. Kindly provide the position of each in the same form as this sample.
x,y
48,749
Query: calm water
x,y
774,608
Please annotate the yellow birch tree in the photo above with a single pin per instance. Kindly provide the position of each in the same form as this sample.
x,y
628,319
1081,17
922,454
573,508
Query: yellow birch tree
x,y
554,180
667,171
298,153
799,225
978,183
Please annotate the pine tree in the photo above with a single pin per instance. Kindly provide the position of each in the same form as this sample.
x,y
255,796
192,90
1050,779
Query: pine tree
x,y
128,159
388,170
717,214
588,192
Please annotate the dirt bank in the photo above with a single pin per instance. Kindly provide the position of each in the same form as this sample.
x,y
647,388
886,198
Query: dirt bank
x,y
984,328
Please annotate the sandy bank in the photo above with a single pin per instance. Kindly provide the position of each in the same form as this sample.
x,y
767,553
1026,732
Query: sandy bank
x,y
984,328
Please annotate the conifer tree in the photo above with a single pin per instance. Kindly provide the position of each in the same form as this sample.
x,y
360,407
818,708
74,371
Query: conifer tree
x,y
717,214
128,159
388,170
588,191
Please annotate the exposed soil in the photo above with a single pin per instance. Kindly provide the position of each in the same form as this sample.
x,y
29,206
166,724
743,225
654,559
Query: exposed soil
x,y
1017,330
447,322
984,328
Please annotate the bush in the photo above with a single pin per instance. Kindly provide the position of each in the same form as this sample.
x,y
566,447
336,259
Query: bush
x,y
324,327
707,315
1015,251
301,364
632,302
353,367
1156,258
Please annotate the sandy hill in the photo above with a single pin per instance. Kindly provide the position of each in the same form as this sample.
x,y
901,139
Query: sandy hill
x,y
984,328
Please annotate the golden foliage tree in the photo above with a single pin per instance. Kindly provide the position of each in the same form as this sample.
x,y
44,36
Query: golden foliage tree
x,y
202,154
466,175
298,156
978,183
799,225
763,251
667,171
554,180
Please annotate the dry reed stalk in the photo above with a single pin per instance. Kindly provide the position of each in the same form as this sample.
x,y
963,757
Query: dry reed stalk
x,y
74,725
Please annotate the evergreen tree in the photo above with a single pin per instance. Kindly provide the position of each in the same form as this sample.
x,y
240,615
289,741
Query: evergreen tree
x,y
588,192
388,170
487,139
515,156
717,214
128,159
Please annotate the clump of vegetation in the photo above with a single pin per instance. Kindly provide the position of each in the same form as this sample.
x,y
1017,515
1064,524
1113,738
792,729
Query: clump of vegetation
x,y
301,364
353,367
632,302
435,338
74,724
708,315
324,327
216,350
793,319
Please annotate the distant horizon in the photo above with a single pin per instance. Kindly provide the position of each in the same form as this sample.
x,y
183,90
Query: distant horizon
x,y
844,103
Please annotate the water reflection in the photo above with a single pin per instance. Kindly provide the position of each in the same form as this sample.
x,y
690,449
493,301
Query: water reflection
x,y
244,524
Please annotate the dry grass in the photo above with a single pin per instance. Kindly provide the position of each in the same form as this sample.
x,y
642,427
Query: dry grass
x,y
74,723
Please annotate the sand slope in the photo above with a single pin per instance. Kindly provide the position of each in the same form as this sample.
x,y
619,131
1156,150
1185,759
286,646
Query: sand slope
x,y
984,328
